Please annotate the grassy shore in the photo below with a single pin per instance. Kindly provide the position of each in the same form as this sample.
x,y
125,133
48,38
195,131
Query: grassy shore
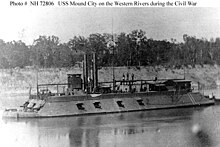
x,y
15,84
20,80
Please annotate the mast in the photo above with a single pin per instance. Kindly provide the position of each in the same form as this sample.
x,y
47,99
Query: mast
x,y
37,73
113,69
184,66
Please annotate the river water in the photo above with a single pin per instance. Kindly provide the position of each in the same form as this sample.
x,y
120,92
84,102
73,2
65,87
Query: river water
x,y
191,127
157,128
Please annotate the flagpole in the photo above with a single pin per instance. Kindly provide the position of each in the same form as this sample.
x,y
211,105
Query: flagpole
x,y
113,69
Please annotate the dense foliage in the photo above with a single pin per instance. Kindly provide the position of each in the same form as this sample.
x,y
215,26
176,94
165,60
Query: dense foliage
x,y
133,49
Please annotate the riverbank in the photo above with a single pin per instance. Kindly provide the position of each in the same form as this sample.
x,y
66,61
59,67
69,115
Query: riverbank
x,y
20,80
16,84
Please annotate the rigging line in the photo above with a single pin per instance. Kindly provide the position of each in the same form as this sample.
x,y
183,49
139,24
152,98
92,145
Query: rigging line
x,y
191,98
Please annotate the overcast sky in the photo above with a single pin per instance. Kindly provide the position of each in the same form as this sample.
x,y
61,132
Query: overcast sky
x,y
27,23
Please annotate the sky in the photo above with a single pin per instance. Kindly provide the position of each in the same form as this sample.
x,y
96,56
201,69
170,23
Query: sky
x,y
28,23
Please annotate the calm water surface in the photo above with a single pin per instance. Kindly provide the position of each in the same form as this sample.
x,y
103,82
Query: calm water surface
x,y
158,128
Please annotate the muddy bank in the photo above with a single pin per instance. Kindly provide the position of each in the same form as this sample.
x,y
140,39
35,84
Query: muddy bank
x,y
19,81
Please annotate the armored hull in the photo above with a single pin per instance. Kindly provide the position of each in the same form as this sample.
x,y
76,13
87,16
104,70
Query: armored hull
x,y
56,106
84,95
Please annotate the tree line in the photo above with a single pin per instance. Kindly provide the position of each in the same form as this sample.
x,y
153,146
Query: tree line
x,y
132,49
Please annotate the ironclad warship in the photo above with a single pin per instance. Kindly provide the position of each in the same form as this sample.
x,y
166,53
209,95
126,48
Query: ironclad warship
x,y
83,94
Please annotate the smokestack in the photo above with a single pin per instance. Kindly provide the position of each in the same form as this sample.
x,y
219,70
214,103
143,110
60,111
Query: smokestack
x,y
95,72
84,77
85,73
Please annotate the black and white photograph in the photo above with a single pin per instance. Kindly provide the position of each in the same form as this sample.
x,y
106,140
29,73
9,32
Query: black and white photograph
x,y
109,73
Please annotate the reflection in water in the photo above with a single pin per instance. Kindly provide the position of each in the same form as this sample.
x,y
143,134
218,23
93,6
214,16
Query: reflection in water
x,y
206,128
74,135
150,128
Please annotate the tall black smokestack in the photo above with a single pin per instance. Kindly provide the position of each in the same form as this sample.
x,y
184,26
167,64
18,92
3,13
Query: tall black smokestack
x,y
95,72
85,73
